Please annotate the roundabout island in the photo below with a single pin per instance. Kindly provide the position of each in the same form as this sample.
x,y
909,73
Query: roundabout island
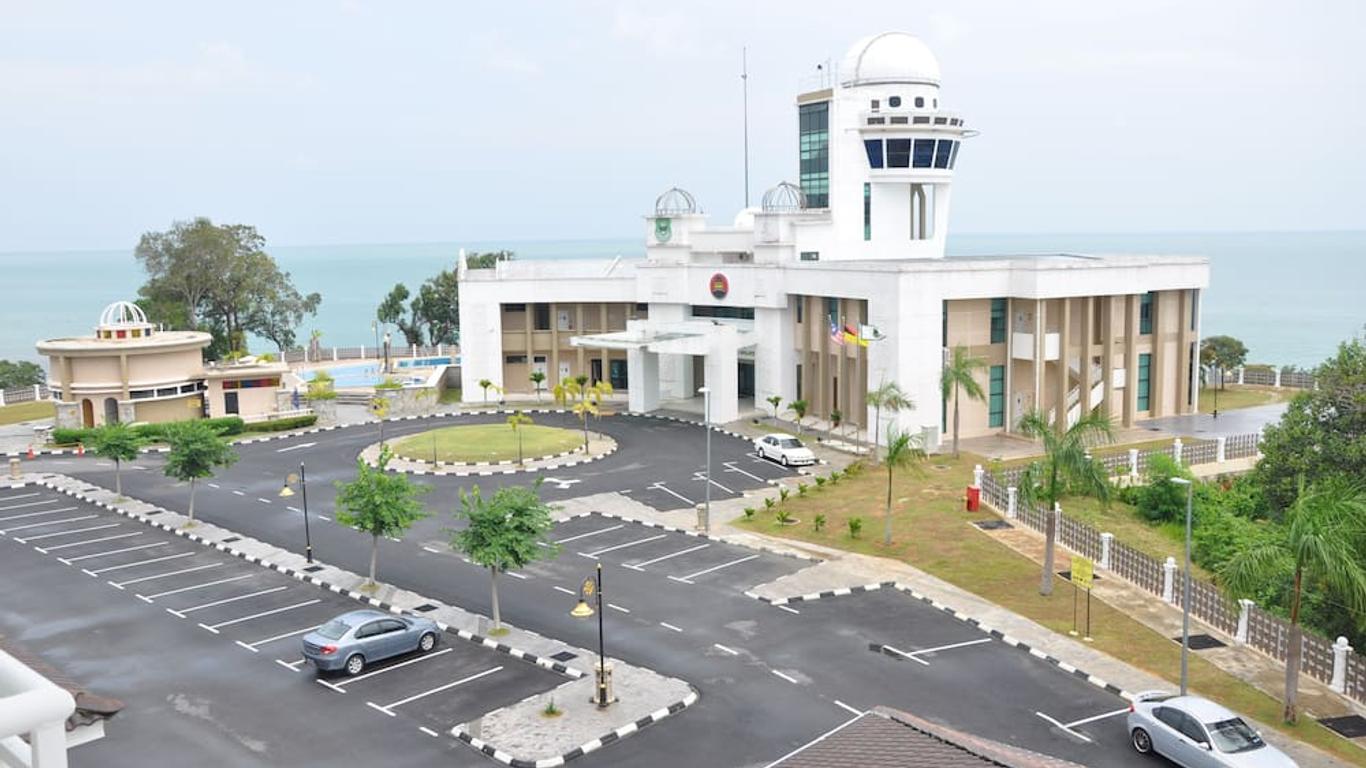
x,y
487,444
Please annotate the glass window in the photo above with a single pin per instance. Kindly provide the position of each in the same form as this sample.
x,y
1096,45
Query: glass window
x,y
334,629
898,153
874,150
1234,736
810,256
1192,730
998,321
801,302
515,359
924,153
876,104
953,158
996,408
832,311
1145,314
894,101
514,307
1195,306
919,102
1145,364
729,313
813,140
941,156
542,319
1169,716
867,211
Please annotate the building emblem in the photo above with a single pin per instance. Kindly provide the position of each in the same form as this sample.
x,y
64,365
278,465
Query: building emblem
x,y
719,285
664,229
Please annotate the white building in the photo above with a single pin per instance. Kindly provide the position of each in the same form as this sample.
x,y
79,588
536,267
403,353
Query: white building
x,y
840,282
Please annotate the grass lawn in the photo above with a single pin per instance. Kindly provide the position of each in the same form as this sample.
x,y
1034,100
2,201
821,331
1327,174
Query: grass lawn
x,y
1128,526
931,531
486,442
38,409
1234,397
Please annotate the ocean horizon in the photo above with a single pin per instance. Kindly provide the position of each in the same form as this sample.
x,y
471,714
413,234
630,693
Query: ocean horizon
x,y
1290,296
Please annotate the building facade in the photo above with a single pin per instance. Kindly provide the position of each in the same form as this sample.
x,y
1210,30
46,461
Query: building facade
x,y
840,282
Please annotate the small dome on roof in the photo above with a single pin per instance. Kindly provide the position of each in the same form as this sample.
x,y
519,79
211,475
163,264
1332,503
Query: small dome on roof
x,y
889,57
675,202
784,198
122,314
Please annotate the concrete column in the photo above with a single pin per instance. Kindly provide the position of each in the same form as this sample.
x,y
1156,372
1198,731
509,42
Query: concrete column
x,y
642,373
1040,310
1010,366
1277,382
1131,307
977,473
721,371
1177,449
1220,446
1133,463
1157,372
1240,375
1107,356
1244,612
774,366
334,354
123,377
1064,368
1088,335
2,397
1012,499
1106,541
1168,579
1340,651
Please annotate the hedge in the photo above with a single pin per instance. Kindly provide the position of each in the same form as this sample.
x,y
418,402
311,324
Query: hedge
x,y
291,422
225,426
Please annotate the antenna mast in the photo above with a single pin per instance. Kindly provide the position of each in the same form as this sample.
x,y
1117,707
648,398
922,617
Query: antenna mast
x,y
744,85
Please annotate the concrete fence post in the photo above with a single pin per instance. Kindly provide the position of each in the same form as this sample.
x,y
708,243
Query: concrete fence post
x,y
334,354
1011,499
362,351
1277,383
1177,449
977,476
1057,522
438,350
1106,540
414,351
1244,612
1168,579
1240,375
37,392
2,397
1340,651
14,469
1220,449
1133,464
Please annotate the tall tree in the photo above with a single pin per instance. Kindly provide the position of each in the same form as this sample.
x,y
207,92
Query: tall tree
x,y
537,379
279,310
20,373
487,259
1325,527
390,312
379,503
1222,353
436,308
504,533
118,443
775,401
959,375
889,396
1066,465
903,452
195,452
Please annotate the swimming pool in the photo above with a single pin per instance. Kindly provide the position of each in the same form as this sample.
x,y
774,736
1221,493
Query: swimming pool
x,y
355,375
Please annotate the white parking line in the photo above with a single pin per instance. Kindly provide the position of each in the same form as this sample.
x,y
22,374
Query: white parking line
x,y
263,501
730,467
662,558
788,678
648,539
848,708
517,575
215,486
616,607
388,708
239,493
688,579
325,518
258,643
348,681
679,496
590,533
181,612
215,627
65,533
292,666
429,731
93,541
951,646
296,447
23,496
731,651
433,550
667,625
164,575
49,522
140,562
198,586
1094,718
116,551
789,610
905,655
39,514
564,590
703,476
1078,734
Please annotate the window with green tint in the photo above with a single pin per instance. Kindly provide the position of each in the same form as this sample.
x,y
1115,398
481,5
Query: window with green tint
x,y
832,311
996,404
998,321
1145,314
1145,364
813,138
867,211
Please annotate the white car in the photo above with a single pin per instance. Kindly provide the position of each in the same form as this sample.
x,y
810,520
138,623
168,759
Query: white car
x,y
784,449
1197,733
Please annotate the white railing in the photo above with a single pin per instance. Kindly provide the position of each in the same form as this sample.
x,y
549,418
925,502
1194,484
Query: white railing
x,y
33,713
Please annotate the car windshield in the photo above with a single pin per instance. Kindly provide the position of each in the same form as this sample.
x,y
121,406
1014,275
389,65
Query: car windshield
x,y
1234,736
789,442
333,629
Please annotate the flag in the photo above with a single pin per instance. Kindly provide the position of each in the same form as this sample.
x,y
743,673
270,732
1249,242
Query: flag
x,y
851,336
836,335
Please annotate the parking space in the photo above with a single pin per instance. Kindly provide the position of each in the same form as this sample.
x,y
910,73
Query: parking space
x,y
250,609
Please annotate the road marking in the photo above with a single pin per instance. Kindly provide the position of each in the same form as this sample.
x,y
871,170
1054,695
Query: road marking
x,y
198,586
387,708
400,665
50,522
325,517
255,643
951,646
667,625
517,575
24,496
688,579
590,533
140,562
263,501
848,708
287,665
214,485
703,476
790,610
117,551
731,651
93,541
181,612
662,558
239,493
296,447
429,731
679,496
648,539
37,514
164,575
1094,718
433,550
905,655
66,533
1078,734
730,467
786,677
566,591
215,627
616,607
293,509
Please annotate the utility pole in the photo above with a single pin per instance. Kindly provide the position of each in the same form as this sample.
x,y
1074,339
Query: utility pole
x,y
744,87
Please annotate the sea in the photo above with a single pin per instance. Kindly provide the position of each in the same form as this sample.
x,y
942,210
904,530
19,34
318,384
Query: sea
x,y
1290,296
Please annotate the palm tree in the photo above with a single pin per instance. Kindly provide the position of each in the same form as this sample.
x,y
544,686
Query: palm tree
x,y
888,395
537,379
485,384
798,408
775,401
903,452
1323,527
518,420
1066,464
958,376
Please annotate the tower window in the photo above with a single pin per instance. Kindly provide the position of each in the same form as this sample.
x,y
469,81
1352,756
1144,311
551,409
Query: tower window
x,y
924,153
919,102
941,156
814,146
998,321
867,211
953,159
875,105
936,103
874,149
898,153
894,102
1145,316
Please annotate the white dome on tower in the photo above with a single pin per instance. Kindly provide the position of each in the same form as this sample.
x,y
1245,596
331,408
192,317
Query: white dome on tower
x,y
889,57
122,314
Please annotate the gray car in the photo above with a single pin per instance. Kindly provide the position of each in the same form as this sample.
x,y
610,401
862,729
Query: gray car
x,y
357,639
1197,733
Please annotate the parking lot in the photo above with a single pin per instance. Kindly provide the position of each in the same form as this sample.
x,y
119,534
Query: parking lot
x,y
247,615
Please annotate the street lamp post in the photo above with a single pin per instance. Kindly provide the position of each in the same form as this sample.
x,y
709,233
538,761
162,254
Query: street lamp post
x,y
706,424
1186,585
286,492
386,352
593,588
374,327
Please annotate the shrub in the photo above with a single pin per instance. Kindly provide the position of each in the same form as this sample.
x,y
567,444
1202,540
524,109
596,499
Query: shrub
x,y
855,527
783,517
820,481
819,523
280,425
1161,500
322,387
835,477
768,502
783,494
389,383
749,513
225,426
801,489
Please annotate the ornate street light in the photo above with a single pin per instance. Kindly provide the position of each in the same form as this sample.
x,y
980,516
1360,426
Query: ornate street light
x,y
591,589
302,481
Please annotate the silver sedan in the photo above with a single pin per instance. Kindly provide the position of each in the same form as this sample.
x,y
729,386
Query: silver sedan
x,y
1197,733
356,639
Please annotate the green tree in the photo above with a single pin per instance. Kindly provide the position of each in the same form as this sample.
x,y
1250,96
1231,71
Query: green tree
x,y
959,375
798,408
589,401
279,310
775,401
118,443
890,397
1325,527
504,533
437,307
1066,466
390,312
195,452
486,385
903,452
517,420
20,373
1222,353
537,379
488,259
379,503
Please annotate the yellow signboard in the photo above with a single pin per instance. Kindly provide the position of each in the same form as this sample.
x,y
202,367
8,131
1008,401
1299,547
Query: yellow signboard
x,y
193,403
1082,571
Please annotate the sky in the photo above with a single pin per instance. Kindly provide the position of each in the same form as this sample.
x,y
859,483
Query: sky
x,y
347,121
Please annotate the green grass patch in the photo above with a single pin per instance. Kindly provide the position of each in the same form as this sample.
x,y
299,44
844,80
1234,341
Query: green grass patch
x,y
486,442
1159,540
38,409
450,396
1233,397
931,531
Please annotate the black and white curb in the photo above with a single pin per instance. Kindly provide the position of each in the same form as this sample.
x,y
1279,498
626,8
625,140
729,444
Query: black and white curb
x,y
700,535
462,732
821,595
485,469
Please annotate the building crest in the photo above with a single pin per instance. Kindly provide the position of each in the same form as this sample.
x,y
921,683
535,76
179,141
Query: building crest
x,y
664,229
718,285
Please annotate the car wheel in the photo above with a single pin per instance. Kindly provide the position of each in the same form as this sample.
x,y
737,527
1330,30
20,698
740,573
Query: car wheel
x,y
426,642
354,664
783,460
1142,741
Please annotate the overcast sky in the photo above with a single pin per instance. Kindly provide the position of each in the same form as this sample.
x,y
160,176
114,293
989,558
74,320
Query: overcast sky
x,y
367,122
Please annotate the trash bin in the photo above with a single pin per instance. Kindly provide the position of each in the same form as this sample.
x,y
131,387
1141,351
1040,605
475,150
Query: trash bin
x,y
974,498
